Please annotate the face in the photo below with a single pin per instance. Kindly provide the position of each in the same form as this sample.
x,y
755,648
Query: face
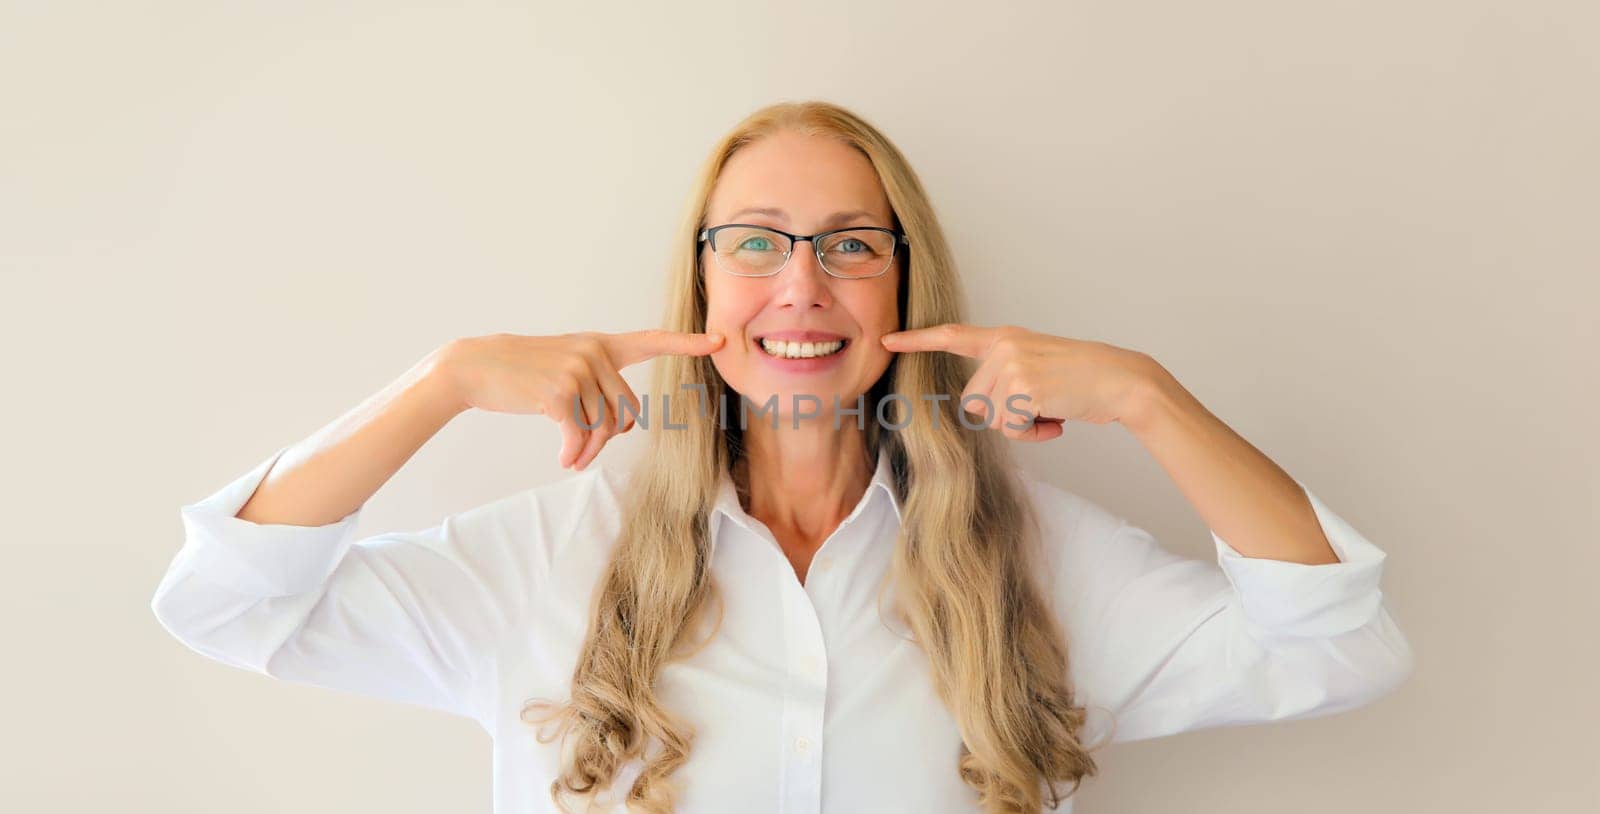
x,y
802,185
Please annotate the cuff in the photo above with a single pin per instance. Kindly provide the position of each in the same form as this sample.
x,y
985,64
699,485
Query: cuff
x,y
260,559
1298,600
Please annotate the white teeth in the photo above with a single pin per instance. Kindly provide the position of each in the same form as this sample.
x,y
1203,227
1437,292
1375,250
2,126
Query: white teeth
x,y
800,350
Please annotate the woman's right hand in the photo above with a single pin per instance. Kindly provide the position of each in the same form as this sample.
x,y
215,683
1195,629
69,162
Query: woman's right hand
x,y
509,373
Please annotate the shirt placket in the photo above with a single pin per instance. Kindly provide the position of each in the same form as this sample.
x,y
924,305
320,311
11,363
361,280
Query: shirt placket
x,y
805,696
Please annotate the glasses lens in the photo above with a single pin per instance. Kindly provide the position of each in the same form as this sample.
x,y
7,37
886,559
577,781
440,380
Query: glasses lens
x,y
749,250
857,252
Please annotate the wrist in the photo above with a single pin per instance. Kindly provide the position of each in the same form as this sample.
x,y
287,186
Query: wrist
x,y
438,382
1156,399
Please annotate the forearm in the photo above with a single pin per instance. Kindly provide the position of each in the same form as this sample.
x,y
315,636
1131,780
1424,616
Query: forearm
x,y
333,472
1240,493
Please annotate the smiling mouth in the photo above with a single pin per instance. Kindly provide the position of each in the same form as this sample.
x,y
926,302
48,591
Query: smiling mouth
x,y
780,349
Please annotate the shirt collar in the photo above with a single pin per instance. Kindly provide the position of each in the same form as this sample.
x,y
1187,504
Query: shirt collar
x,y
727,502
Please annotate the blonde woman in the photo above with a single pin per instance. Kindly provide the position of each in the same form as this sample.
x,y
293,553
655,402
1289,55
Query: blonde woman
x,y
826,587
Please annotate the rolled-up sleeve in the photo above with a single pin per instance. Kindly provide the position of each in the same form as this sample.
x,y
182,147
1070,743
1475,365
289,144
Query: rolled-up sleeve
x,y
1160,643
414,616
1282,599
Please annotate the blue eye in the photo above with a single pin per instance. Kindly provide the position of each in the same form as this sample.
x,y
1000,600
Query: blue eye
x,y
846,243
763,244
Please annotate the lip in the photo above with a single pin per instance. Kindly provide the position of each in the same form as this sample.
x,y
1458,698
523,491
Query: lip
x,y
801,336
814,364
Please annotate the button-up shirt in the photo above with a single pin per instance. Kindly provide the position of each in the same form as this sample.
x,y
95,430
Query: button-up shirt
x,y
809,698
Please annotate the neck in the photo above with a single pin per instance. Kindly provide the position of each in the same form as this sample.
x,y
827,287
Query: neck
x,y
801,482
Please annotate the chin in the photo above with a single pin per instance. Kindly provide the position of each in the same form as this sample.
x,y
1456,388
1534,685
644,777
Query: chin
x,y
759,394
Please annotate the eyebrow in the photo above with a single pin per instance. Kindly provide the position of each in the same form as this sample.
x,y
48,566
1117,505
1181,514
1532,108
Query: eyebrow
x,y
836,219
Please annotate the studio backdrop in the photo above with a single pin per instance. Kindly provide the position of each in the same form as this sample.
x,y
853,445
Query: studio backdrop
x,y
1361,233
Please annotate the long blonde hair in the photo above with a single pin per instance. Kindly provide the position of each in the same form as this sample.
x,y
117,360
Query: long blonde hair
x,y
963,564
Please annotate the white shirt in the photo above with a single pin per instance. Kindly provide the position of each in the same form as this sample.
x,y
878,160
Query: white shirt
x,y
806,701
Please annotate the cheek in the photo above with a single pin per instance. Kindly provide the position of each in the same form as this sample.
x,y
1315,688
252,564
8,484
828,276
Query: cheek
x,y
730,315
729,312
729,305
877,312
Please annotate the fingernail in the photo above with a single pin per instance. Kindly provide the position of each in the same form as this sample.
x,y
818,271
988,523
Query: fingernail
x,y
715,337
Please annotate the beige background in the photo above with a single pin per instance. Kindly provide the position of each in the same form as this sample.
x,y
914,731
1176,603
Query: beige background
x,y
1362,233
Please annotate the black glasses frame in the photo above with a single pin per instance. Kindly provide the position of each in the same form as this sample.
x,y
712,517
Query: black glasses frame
x,y
710,235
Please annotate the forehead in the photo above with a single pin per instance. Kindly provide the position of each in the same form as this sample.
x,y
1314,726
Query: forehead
x,y
808,177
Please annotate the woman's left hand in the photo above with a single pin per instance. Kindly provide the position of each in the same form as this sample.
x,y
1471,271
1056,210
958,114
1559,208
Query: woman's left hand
x,y
1063,379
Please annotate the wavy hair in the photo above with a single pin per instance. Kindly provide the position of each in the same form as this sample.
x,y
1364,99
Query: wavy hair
x,y
963,564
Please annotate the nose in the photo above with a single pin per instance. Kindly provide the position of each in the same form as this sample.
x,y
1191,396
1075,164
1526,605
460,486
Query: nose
x,y
802,283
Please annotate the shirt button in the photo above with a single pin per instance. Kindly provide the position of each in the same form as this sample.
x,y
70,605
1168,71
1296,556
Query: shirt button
x,y
809,664
824,563
802,744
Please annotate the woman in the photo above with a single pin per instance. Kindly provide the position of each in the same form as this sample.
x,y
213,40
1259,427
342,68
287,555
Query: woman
x,y
852,601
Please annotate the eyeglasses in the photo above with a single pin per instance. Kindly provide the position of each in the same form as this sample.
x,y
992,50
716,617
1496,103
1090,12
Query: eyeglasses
x,y
747,250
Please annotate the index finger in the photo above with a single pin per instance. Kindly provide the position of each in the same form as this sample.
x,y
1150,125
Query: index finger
x,y
954,337
637,346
